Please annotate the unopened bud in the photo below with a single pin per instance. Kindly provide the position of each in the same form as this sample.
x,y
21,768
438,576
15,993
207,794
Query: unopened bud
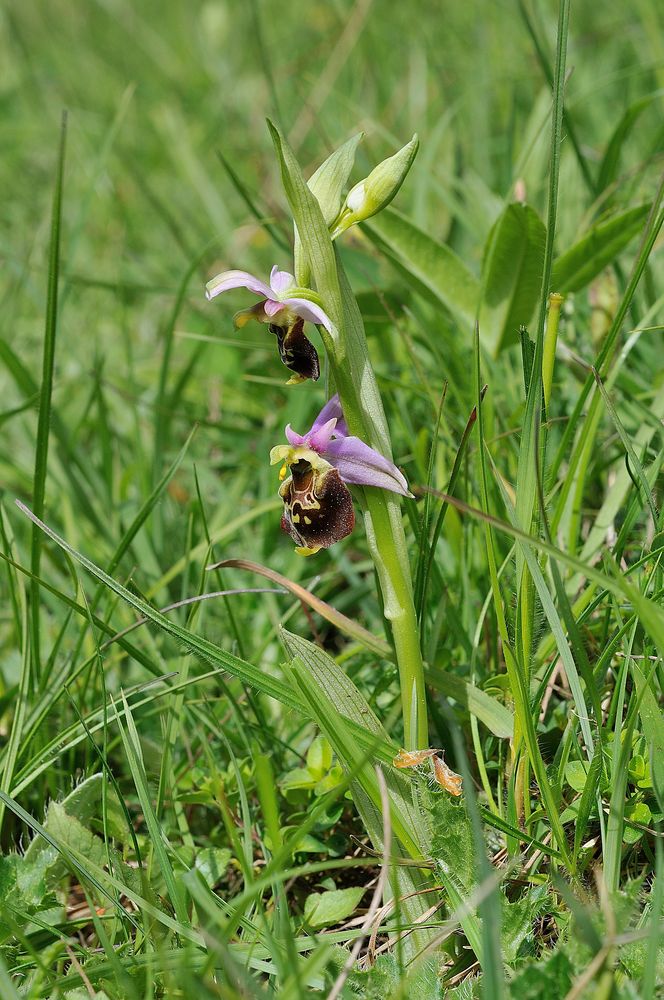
x,y
377,190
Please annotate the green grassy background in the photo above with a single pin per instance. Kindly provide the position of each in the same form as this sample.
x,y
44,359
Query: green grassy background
x,y
162,99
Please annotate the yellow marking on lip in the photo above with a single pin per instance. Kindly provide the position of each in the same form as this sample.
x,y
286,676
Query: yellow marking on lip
x,y
307,520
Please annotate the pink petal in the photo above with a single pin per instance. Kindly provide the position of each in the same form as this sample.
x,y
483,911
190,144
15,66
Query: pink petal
x,y
280,281
272,308
320,438
309,312
236,279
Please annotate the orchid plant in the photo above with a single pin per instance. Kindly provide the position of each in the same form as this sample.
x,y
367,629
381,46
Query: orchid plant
x,y
348,444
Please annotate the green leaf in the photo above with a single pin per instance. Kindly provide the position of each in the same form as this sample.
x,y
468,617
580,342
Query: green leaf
x,y
653,727
69,831
452,846
310,222
432,267
388,979
319,758
327,184
577,267
636,812
517,921
335,702
512,275
82,804
544,977
321,909
608,168
296,780
576,773
212,863
496,717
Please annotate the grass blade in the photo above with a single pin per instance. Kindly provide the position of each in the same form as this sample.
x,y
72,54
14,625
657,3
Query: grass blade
x,y
46,392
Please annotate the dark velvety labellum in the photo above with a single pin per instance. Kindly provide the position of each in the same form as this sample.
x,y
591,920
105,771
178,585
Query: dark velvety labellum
x,y
318,509
296,351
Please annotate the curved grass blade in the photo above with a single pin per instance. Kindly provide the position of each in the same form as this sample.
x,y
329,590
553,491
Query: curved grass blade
x,y
46,392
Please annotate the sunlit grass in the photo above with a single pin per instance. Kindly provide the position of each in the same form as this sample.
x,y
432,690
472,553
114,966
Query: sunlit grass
x,y
168,775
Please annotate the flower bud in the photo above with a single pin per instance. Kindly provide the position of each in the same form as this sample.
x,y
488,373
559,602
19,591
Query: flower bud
x,y
377,190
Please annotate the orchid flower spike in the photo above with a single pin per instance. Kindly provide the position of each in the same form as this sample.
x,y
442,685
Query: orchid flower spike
x,y
285,308
318,508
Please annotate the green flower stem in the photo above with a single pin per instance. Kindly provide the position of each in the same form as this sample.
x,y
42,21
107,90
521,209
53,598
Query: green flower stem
x,y
387,545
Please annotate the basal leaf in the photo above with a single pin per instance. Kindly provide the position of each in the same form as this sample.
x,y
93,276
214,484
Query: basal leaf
x,y
577,267
512,275
432,267
322,909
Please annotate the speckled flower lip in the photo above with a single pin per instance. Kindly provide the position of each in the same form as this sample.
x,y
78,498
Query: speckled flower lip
x,y
318,508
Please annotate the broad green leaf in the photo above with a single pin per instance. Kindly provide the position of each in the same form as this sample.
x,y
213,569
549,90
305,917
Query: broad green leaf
x,y
212,863
452,845
431,267
636,812
347,346
577,267
315,235
321,909
576,773
70,831
297,779
328,692
82,804
512,275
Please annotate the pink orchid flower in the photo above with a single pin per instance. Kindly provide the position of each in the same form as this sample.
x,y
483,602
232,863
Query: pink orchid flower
x,y
318,508
285,308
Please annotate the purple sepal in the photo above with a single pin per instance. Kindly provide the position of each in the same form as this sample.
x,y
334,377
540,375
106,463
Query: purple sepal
x,y
360,465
